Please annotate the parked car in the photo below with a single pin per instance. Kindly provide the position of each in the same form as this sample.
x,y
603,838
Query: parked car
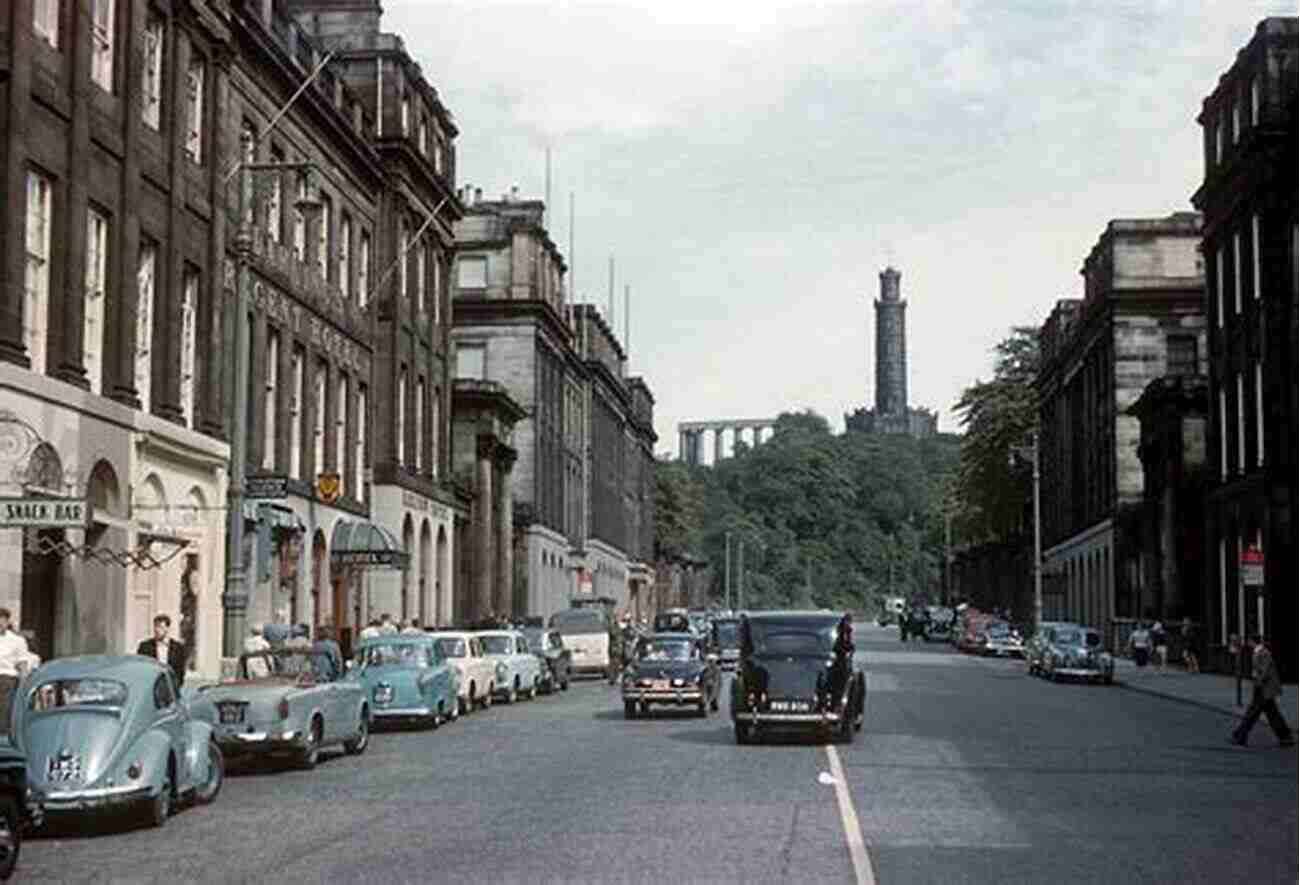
x,y
796,671
1036,646
724,641
589,635
1001,640
20,807
670,669
108,731
406,678
517,670
464,651
556,659
290,702
1077,652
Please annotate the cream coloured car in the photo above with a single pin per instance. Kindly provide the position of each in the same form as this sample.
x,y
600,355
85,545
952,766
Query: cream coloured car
x,y
463,650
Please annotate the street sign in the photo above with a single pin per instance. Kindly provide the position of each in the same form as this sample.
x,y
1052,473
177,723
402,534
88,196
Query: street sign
x,y
265,488
44,513
1252,567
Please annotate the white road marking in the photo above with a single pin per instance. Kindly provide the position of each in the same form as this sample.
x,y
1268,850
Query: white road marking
x,y
863,874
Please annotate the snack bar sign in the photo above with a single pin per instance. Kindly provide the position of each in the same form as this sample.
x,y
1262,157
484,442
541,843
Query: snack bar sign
x,y
44,513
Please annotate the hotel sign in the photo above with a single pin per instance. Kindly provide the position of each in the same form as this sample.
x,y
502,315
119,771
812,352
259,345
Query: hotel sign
x,y
44,513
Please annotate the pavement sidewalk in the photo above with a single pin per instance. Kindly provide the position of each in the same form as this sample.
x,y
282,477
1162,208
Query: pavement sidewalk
x,y
1212,691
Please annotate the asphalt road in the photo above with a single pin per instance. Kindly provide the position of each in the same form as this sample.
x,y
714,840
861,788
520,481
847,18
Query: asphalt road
x,y
966,771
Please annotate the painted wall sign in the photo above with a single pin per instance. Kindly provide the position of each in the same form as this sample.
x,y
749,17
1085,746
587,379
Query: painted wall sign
x,y
65,513
266,487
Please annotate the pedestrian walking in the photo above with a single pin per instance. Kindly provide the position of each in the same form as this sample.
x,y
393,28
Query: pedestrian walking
x,y
13,665
1263,700
256,641
1139,643
1160,645
1190,661
165,650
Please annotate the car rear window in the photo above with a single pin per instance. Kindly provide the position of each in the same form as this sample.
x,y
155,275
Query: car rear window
x,y
452,648
577,621
78,693
792,639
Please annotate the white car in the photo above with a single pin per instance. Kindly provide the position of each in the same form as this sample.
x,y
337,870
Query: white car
x,y
516,669
586,634
464,651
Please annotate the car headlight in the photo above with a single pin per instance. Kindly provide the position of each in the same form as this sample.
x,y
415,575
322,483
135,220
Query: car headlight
x,y
678,683
134,770
501,671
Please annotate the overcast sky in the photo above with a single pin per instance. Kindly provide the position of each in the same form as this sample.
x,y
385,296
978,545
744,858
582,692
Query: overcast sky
x,y
753,166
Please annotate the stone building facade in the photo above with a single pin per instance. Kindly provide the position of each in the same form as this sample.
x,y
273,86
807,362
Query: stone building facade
x,y
514,326
112,246
410,304
1140,318
1249,199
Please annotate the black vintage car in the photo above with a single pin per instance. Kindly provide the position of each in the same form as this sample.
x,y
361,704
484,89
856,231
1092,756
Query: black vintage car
x,y
673,670
20,807
557,661
796,671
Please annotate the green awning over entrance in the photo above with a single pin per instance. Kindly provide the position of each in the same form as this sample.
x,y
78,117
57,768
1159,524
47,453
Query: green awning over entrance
x,y
361,542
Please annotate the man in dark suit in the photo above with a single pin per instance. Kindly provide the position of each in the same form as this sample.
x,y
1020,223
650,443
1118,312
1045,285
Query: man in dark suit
x,y
165,650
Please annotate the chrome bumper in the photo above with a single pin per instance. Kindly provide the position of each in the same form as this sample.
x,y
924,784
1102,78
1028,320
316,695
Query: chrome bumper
x,y
98,797
659,696
401,712
240,742
1080,671
754,717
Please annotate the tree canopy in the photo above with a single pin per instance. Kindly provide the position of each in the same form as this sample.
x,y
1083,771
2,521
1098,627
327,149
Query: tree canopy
x,y
852,515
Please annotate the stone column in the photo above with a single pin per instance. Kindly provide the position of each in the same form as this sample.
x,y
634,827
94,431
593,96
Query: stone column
x,y
505,460
717,444
15,123
484,560
681,445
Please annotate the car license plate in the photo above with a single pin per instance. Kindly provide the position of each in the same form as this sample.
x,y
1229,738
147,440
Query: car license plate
x,y
790,706
659,685
232,714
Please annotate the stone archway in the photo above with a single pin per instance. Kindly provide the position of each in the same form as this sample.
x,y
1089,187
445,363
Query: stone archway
x,y
442,609
42,567
427,610
408,547
149,511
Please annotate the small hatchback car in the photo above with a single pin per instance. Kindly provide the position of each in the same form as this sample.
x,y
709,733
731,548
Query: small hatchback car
x,y
796,671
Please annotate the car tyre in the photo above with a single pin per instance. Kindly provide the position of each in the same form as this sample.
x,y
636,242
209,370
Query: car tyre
x,y
11,837
487,696
512,693
744,734
715,706
629,709
703,709
207,791
309,755
358,744
160,807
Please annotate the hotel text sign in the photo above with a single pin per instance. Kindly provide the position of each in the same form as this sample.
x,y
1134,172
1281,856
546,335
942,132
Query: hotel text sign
x,y
44,513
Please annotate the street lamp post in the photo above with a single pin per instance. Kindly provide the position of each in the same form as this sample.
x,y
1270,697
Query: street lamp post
x,y
234,602
1038,543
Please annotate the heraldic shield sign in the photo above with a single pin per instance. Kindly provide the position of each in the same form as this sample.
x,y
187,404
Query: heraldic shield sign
x,y
327,487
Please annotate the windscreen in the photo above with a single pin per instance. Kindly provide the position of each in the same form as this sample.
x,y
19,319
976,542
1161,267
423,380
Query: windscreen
x,y
728,633
79,693
289,664
577,621
496,645
536,640
1068,637
665,650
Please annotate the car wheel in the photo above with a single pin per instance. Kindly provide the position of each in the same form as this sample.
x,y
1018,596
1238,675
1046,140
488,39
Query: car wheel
x,y
1108,679
309,755
160,807
532,691
11,838
358,744
629,709
487,696
208,790
703,709
743,734
715,706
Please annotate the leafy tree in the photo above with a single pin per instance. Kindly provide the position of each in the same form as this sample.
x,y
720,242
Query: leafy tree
x,y
993,480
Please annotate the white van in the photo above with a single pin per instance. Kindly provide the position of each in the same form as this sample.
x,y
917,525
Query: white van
x,y
586,635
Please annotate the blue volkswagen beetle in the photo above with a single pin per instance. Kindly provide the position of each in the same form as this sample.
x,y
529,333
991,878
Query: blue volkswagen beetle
x,y
109,731
407,678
